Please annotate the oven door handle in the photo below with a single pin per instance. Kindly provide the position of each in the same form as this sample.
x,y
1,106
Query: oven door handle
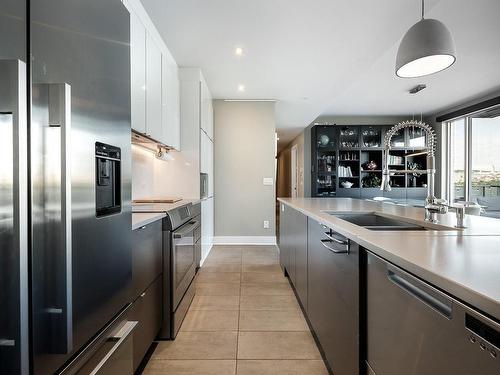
x,y
187,228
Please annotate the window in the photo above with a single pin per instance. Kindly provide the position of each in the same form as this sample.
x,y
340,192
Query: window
x,y
457,160
473,162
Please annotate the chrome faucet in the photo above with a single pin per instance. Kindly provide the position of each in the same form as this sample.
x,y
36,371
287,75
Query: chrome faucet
x,y
433,205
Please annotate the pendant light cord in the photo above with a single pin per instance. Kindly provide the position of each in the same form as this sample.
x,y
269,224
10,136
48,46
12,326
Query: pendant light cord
x,y
423,8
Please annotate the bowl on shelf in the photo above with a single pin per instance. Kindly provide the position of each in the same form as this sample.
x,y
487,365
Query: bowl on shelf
x,y
346,184
324,140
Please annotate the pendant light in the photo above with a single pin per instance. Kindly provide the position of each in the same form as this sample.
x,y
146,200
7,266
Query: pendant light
x,y
426,48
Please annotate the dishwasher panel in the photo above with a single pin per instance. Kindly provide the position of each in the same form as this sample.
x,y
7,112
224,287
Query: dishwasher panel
x,y
413,328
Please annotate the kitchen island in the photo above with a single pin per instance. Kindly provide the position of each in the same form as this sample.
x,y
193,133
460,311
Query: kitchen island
x,y
462,262
382,288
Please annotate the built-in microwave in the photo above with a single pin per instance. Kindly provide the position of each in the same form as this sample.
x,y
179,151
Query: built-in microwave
x,y
203,185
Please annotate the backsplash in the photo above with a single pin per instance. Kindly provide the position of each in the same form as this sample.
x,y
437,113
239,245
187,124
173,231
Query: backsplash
x,y
156,178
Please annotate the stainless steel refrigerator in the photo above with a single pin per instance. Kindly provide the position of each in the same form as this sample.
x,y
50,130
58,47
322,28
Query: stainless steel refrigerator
x,y
65,205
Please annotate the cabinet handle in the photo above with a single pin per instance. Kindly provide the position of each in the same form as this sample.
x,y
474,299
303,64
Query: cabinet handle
x,y
420,294
324,243
335,239
119,340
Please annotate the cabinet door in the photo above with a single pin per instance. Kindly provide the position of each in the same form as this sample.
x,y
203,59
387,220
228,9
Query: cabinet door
x,y
204,153
210,126
211,169
147,311
284,237
333,302
206,110
153,90
146,256
138,73
300,246
170,101
207,226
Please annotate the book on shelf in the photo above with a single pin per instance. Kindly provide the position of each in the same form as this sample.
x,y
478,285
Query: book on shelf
x,y
345,171
396,160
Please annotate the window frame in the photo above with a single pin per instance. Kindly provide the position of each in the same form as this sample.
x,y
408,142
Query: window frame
x,y
447,175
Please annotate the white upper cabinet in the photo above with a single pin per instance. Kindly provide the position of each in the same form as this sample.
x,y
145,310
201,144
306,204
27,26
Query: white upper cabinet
x,y
138,72
205,150
153,90
170,101
206,110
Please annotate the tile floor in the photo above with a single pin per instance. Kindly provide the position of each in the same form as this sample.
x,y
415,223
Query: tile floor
x,y
244,320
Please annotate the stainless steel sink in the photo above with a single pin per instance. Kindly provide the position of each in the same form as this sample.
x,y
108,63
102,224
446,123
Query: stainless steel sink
x,y
372,221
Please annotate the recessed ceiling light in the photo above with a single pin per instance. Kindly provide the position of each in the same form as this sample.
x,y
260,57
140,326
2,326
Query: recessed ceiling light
x,y
238,51
241,88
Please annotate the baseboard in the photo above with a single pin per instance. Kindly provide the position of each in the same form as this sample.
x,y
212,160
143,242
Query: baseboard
x,y
245,240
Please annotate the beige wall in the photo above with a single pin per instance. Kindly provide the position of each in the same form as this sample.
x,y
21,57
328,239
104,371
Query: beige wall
x,y
244,153
284,179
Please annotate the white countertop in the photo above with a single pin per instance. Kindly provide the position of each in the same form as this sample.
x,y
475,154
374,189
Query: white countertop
x,y
464,263
145,218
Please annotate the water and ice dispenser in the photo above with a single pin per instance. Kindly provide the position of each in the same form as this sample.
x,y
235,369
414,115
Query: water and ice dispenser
x,y
107,179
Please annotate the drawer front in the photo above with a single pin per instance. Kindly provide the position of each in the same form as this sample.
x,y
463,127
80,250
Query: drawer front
x,y
146,256
113,356
147,311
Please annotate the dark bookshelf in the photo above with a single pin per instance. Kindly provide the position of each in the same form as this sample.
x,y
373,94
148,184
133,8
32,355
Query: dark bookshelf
x,y
351,155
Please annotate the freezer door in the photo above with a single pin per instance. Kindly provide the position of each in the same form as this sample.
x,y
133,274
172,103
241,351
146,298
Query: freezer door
x,y
13,219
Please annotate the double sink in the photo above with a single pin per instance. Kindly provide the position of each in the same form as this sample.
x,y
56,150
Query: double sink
x,y
377,222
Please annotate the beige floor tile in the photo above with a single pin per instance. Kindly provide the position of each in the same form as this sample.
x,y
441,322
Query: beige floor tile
x,y
191,367
273,268
259,260
218,289
224,258
201,320
223,249
221,267
281,367
261,249
261,277
272,320
277,345
215,303
198,345
263,302
218,277
266,289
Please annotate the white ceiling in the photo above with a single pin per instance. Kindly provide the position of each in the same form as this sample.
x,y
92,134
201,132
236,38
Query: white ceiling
x,y
328,57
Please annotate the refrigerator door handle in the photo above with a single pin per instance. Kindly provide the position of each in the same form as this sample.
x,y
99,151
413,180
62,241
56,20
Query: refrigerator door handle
x,y
13,216
53,206
60,117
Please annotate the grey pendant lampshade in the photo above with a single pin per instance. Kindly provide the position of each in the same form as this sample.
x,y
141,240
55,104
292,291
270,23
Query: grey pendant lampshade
x,y
426,48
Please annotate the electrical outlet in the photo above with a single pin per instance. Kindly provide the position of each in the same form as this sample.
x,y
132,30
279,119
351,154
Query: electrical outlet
x,y
266,224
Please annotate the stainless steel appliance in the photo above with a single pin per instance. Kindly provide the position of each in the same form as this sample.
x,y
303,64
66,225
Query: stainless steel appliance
x,y
415,328
61,207
181,238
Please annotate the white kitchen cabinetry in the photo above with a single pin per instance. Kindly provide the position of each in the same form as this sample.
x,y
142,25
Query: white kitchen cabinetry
x,y
153,90
206,109
155,107
170,101
196,123
207,226
138,73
